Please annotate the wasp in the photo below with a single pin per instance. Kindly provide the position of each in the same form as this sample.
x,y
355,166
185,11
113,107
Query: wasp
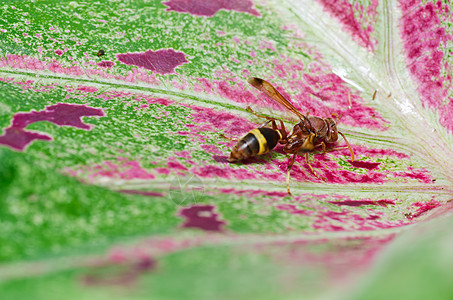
x,y
309,134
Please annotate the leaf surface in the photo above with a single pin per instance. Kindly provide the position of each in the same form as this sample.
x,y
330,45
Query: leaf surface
x,y
113,160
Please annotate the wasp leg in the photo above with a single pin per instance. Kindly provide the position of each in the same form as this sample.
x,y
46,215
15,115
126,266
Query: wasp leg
x,y
270,119
312,170
250,110
282,130
349,146
267,122
325,150
288,170
336,149
228,138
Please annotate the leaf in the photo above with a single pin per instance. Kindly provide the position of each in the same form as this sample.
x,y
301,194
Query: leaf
x,y
113,163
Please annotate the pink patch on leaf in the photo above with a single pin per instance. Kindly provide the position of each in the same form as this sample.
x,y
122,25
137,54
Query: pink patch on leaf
x,y
32,63
176,166
212,149
121,168
358,27
363,202
106,64
348,220
365,165
292,209
421,175
61,114
87,89
210,8
18,139
210,120
127,275
426,35
423,208
202,217
162,61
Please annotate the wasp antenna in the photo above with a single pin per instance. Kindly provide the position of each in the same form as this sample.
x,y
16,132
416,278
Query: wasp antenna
x,y
349,146
337,117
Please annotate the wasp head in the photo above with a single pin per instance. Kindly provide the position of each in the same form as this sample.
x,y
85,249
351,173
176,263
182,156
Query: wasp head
x,y
332,131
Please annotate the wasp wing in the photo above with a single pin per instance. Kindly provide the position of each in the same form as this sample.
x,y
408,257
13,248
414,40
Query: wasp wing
x,y
267,88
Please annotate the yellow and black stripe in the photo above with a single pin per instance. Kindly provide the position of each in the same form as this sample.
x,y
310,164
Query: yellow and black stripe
x,y
256,142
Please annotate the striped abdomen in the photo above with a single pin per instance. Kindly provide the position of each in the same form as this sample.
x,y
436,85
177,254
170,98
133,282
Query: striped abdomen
x,y
256,142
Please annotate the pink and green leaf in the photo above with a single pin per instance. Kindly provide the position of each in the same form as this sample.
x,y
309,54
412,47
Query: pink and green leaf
x,y
114,171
